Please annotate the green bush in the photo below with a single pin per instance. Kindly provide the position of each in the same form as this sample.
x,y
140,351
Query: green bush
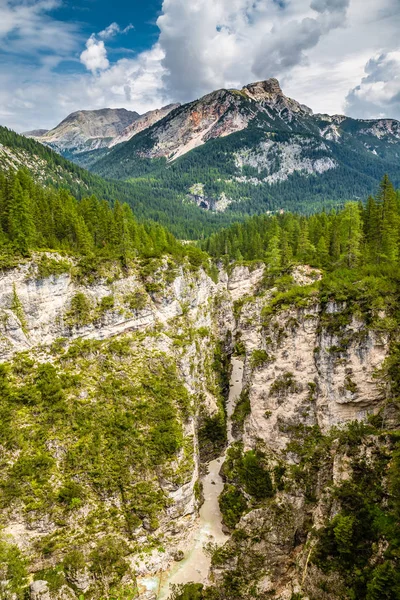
x,y
13,572
80,310
106,304
48,267
242,410
255,478
136,300
212,436
233,505
259,358
284,384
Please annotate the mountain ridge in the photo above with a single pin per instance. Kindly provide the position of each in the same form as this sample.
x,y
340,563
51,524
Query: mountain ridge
x,y
249,151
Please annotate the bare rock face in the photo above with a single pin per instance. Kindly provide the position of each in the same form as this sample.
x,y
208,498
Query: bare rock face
x,y
143,122
313,376
40,590
262,90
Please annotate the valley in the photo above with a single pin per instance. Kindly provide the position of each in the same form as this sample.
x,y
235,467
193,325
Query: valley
x,y
202,420
249,150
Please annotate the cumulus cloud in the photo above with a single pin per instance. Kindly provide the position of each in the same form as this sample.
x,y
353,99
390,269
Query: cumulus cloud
x,y
378,94
113,30
322,6
208,44
95,56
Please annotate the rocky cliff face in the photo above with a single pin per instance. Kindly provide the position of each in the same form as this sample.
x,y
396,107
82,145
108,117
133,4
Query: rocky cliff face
x,y
127,345
143,122
311,373
145,329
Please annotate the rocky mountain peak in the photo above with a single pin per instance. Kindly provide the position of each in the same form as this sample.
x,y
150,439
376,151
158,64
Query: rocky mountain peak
x,y
269,92
262,90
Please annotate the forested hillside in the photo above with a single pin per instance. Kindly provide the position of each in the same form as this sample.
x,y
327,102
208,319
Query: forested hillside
x,y
149,199
35,217
255,150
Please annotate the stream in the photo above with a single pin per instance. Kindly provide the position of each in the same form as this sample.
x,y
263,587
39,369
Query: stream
x,y
196,564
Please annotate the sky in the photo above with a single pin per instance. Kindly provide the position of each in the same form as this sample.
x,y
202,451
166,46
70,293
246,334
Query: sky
x,y
59,56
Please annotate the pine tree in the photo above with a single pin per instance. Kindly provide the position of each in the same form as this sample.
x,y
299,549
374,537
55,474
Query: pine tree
x,y
273,256
389,225
350,235
305,250
20,222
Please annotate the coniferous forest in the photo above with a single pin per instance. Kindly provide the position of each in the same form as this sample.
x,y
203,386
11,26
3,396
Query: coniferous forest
x,y
356,235
34,217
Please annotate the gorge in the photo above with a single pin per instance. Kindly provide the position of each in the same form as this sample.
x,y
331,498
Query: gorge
x,y
305,373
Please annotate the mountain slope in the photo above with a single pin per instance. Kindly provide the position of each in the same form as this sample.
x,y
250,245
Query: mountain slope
x,y
83,135
87,130
143,122
255,149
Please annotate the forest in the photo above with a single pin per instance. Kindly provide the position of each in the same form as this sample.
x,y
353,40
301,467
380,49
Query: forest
x,y
358,234
33,217
147,197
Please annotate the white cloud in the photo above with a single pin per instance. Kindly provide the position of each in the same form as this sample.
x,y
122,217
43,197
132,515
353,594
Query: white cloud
x,y
378,94
113,30
209,44
95,56
26,28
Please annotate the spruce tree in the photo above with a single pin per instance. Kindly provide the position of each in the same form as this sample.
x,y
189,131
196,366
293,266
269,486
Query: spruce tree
x,y
350,235
20,222
389,224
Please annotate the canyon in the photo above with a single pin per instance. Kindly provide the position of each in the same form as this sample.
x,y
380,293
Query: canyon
x,y
298,374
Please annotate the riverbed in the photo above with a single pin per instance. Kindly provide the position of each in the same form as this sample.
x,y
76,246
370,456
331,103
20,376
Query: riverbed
x,y
196,564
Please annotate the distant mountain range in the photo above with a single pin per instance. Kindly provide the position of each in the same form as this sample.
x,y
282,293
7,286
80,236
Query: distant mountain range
x,y
242,151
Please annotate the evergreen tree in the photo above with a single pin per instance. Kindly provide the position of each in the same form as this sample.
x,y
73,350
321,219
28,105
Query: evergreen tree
x,y
389,222
350,235
20,222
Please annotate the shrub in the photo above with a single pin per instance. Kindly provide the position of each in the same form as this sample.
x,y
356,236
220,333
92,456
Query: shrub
x,y
107,559
284,384
137,300
233,505
48,266
13,573
259,358
80,310
71,494
242,410
107,303
256,479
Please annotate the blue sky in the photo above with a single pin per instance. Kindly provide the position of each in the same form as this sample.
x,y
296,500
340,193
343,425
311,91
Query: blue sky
x,y
58,56
96,15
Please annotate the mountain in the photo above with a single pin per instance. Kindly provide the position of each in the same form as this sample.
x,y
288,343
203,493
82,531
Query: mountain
x,y
35,133
85,133
255,149
87,130
143,122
